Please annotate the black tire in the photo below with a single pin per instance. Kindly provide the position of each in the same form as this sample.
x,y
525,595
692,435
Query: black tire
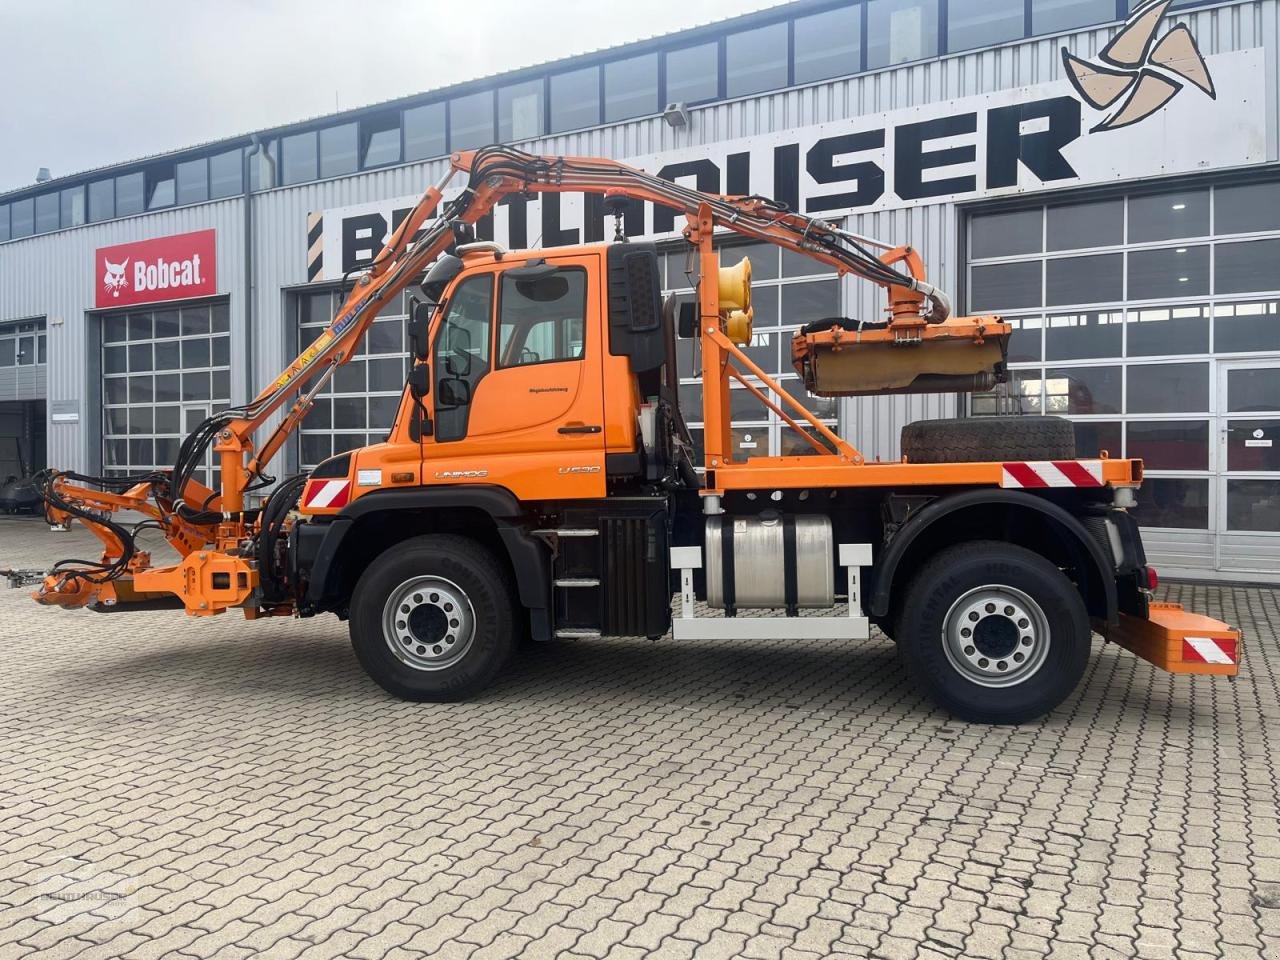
x,y
453,575
959,583
988,439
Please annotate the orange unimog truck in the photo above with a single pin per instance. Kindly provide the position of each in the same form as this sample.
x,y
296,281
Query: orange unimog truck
x,y
539,480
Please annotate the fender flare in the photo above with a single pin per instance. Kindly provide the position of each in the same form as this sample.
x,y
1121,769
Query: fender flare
x,y
529,557
892,556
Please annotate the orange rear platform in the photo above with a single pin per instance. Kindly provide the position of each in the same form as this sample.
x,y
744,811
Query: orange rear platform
x,y
1181,642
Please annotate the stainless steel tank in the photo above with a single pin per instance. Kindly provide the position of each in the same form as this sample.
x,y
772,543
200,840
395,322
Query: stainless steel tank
x,y
760,562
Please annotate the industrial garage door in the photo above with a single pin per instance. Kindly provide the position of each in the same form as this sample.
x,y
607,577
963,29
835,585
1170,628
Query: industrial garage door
x,y
163,371
1152,320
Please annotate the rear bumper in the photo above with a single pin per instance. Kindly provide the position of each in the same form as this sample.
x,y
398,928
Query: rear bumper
x,y
1176,640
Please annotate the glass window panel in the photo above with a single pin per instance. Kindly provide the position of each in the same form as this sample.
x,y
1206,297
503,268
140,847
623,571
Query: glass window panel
x,y
471,121
687,359
424,132
9,352
542,321
220,316
693,74
1253,505
798,265
140,390
1095,437
1173,502
193,181
748,442
114,328
316,447
41,349
141,452
1247,267
140,420
116,389
195,352
167,420
161,187
221,351
380,140
102,200
385,336
48,212
763,350
1169,272
130,194
827,408
901,30
1052,16
140,326
1084,335
168,387
167,451
805,302
349,378
73,207
981,23
1248,208
1161,331
116,452
26,351
1024,345
338,151
691,400
1168,388
321,414
1239,327
631,87
226,174
298,160
349,413
1247,445
386,375
4,222
195,320
1170,444
343,442
382,412
140,358
829,44
756,60
520,111
1169,216
1094,279
114,359
1006,234
575,99
23,213
1083,390
1080,225
1005,286
196,386
166,323
1253,390
792,444
221,384
116,420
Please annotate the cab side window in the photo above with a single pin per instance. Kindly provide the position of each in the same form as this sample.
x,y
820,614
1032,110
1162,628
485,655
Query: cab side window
x,y
542,320
462,357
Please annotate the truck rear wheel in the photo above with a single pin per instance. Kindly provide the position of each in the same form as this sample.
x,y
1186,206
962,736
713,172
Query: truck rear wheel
x,y
994,632
432,619
989,439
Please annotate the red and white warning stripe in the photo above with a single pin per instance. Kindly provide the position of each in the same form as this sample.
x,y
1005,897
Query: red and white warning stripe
x,y
1208,650
327,493
1052,473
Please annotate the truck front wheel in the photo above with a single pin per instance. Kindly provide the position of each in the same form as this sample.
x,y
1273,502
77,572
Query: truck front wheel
x,y
994,632
432,618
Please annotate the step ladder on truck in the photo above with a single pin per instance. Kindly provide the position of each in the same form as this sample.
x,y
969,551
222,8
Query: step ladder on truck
x,y
540,479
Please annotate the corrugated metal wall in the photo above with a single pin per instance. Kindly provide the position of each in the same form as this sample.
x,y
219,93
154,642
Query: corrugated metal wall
x,y
53,275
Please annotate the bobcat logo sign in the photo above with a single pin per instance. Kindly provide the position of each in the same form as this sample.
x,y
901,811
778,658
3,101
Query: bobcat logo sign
x,y
1137,72
113,278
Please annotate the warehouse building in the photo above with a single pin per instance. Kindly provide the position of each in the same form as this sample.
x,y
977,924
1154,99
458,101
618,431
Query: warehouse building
x,y
1106,177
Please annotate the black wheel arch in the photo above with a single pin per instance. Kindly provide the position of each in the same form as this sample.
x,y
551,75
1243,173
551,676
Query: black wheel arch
x,y
1042,525
490,515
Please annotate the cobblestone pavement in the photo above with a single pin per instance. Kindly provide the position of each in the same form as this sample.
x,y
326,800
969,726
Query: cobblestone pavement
x,y
171,787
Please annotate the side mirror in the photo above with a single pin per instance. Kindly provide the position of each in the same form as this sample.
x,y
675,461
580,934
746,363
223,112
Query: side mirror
x,y
418,326
454,392
420,381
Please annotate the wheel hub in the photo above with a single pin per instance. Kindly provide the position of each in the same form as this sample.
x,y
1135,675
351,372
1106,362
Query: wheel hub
x,y
996,636
428,623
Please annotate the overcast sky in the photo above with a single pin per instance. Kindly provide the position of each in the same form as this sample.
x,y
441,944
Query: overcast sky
x,y
91,82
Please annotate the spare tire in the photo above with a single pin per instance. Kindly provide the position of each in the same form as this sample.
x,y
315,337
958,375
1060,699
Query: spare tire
x,y
988,439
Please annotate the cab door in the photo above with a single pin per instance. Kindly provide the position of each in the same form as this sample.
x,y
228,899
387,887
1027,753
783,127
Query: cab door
x,y
518,382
